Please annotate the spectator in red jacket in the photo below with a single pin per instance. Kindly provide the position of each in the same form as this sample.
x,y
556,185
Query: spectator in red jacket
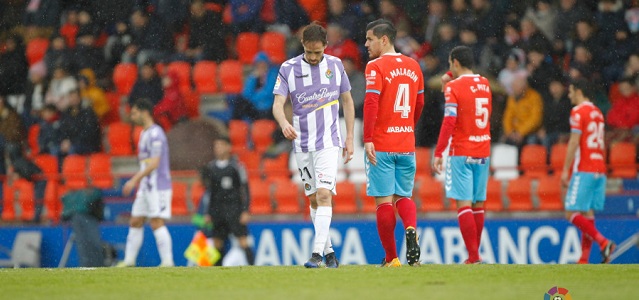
x,y
341,46
623,116
170,109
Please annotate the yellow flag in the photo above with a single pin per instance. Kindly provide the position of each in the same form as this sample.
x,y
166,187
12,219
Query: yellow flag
x,y
200,252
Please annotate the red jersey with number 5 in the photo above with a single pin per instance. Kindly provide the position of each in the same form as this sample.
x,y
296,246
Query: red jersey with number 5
x,y
587,120
397,79
469,98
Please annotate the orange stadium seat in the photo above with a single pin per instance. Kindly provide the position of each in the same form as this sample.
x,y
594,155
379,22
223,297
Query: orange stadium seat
x,y
533,161
191,103
367,202
8,196
124,77
274,45
494,201
345,202
623,160
247,45
197,192
183,71
260,197
26,198
137,133
179,207
262,134
100,170
276,167
74,172
49,165
205,77
32,139
549,193
431,194
286,195
423,160
119,139
231,76
519,194
113,115
238,134
36,49
557,157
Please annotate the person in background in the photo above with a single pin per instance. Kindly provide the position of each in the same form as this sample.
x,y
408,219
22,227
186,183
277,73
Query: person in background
x,y
94,95
148,85
256,100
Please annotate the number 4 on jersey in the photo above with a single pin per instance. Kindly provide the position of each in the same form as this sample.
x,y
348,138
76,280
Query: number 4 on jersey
x,y
402,101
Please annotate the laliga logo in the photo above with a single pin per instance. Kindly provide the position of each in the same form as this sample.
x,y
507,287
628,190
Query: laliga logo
x,y
557,293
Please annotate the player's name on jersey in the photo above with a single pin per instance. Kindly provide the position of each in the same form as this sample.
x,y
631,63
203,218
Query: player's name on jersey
x,y
480,87
394,129
479,138
403,72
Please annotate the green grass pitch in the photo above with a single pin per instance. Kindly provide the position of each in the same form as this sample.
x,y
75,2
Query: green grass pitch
x,y
347,282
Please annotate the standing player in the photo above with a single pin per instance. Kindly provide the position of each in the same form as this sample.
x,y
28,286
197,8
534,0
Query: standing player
x,y
587,190
466,119
392,106
153,198
315,81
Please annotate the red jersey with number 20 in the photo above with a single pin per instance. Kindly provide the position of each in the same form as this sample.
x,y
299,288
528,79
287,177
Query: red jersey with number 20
x,y
469,98
398,80
587,120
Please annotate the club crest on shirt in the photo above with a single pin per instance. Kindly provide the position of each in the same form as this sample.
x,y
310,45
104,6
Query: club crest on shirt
x,y
307,186
278,82
329,74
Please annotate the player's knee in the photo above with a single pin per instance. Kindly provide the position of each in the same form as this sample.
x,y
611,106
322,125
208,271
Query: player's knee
x,y
156,223
136,222
323,197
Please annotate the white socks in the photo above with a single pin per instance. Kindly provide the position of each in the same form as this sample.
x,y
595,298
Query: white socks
x,y
133,244
165,246
328,248
322,223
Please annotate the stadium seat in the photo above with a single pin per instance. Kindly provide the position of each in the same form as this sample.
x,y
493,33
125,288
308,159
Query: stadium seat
x,y
119,139
49,165
274,45
100,170
286,195
179,207
533,161
247,45
260,197
74,172
262,134
8,196
231,76
36,49
277,167
124,77
26,198
557,157
367,202
345,202
238,134
205,77
549,193
137,133
197,192
251,161
423,160
113,115
431,194
494,200
32,139
623,160
519,194
504,161
183,71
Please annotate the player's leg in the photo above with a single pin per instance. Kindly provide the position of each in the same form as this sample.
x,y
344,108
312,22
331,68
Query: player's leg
x,y
480,185
586,240
136,230
328,248
221,232
458,183
160,206
404,183
599,198
382,187
242,238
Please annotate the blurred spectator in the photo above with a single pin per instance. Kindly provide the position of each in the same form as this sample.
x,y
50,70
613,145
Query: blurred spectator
x,y
86,24
57,55
532,38
70,27
22,167
436,15
50,137
460,13
431,67
358,86
111,11
42,13
341,13
13,67
623,117
445,41
409,46
481,53
610,20
341,46
12,131
515,66
148,85
540,69
315,9
488,21
86,55
35,92
291,14
90,92
60,86
368,12
390,11
256,101
173,13
151,39
544,15
117,43
613,61
246,16
79,128
170,109
585,35
583,59
205,43
579,71
511,40
569,13
632,18
11,14
632,67
555,127
523,114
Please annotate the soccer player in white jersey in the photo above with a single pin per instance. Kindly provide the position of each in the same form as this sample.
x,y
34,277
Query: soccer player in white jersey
x,y
153,197
315,82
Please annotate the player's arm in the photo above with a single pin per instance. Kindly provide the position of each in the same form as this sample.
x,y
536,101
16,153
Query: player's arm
x,y
278,113
349,116
371,108
446,131
573,144
152,163
419,106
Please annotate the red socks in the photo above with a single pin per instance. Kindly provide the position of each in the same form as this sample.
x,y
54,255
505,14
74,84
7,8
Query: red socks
x,y
469,232
586,245
588,227
478,214
407,211
386,229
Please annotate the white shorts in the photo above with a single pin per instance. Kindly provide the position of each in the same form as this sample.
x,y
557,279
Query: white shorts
x,y
318,169
152,204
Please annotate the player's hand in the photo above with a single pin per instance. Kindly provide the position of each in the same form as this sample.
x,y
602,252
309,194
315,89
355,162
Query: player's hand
x,y
289,132
128,187
445,79
438,165
370,153
565,180
347,153
245,218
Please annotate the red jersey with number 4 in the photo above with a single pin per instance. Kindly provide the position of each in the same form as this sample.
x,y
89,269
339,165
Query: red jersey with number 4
x,y
397,79
587,120
469,98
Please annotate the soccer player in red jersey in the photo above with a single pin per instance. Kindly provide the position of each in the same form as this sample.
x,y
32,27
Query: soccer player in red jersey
x,y
466,120
392,106
587,188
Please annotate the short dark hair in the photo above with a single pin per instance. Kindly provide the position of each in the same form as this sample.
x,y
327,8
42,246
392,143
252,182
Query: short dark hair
x,y
464,55
383,27
223,137
143,104
314,32
585,87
